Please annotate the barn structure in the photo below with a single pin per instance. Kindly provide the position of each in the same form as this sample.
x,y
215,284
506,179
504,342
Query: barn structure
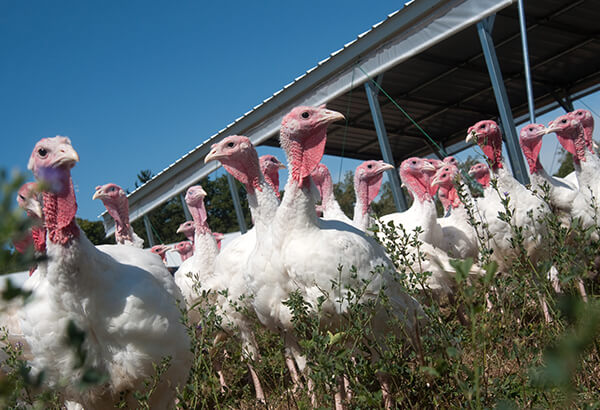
x,y
414,83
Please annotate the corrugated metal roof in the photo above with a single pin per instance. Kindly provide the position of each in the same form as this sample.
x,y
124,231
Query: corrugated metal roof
x,y
445,88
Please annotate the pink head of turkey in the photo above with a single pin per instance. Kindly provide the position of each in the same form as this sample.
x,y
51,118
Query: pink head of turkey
x,y
27,198
302,136
187,228
367,181
450,160
530,139
481,173
444,179
239,157
437,164
270,166
194,198
415,174
570,134
51,162
587,121
185,249
160,250
322,179
219,238
487,135
115,200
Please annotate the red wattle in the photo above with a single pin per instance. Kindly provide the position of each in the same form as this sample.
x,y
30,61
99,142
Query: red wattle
x,y
312,152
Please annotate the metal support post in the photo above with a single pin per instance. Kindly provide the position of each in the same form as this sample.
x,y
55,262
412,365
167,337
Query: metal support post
x,y
384,145
236,204
484,29
186,211
530,101
149,231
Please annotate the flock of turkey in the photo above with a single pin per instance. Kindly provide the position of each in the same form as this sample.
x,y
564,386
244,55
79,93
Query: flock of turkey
x,y
128,304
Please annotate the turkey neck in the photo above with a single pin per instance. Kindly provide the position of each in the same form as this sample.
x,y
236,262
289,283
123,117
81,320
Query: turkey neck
x,y
59,212
263,204
273,180
205,245
120,212
365,192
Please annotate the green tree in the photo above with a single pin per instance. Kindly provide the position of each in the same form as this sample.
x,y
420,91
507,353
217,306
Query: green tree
x,y
566,164
94,230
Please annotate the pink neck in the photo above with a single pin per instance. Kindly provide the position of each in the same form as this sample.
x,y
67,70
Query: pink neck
x,y
247,172
449,197
185,255
59,214
272,178
304,157
326,191
198,212
484,180
119,210
417,187
366,191
588,136
493,151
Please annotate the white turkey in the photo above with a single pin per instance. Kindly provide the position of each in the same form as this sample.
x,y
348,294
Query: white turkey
x,y
239,158
115,200
297,251
367,182
529,210
460,238
329,205
130,321
187,229
560,192
185,249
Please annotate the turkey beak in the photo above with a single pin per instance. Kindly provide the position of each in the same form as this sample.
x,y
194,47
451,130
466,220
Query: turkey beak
x,y
436,181
329,116
35,207
551,128
214,154
471,137
428,166
202,192
281,166
180,229
385,167
98,194
66,156
471,172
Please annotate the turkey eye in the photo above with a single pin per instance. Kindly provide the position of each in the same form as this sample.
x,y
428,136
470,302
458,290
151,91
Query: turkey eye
x,y
42,152
369,166
21,197
305,115
443,175
531,129
482,126
414,162
563,121
230,145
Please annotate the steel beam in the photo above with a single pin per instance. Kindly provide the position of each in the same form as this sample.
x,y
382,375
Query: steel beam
x,y
148,227
384,144
186,211
484,29
523,27
237,204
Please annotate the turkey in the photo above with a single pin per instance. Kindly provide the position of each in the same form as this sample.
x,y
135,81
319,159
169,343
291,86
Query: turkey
x,y
419,172
297,251
481,173
561,193
115,200
239,158
187,229
571,135
161,250
219,238
185,249
130,321
460,238
487,134
28,200
529,210
270,166
367,182
193,273
329,205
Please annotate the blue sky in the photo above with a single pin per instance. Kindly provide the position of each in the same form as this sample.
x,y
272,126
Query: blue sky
x,y
136,84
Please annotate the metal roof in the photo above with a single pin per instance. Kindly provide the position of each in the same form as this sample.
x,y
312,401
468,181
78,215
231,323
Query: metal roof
x,y
432,65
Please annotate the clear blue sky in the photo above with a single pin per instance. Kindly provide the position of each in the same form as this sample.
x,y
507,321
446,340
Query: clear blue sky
x,y
136,84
